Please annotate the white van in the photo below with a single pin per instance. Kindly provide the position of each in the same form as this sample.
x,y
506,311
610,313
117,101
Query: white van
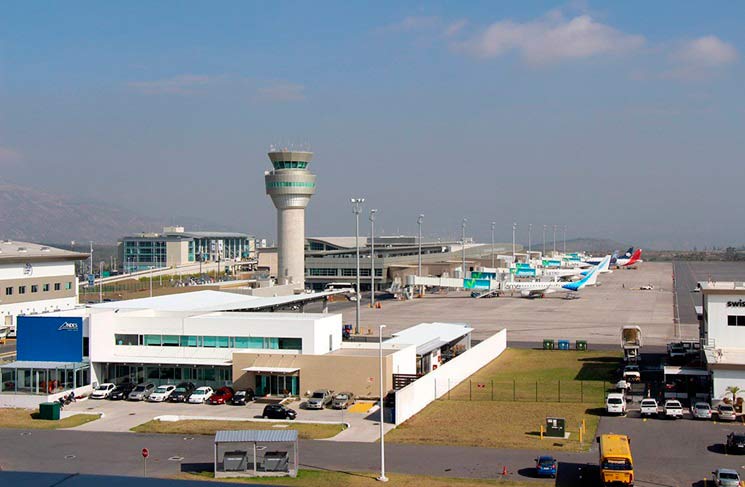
x,y
615,403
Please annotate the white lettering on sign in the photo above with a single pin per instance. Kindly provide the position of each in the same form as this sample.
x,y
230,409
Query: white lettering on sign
x,y
67,326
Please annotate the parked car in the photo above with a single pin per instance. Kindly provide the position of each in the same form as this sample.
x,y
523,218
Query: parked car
x,y
319,399
726,412
546,466
103,390
181,392
161,393
631,373
673,409
221,396
121,391
726,477
278,411
736,443
242,397
649,407
701,410
342,400
200,395
615,403
141,392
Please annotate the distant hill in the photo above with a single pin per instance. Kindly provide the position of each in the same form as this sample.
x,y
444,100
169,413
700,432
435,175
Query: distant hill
x,y
38,216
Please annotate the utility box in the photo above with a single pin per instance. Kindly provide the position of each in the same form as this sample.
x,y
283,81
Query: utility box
x,y
548,344
235,461
581,345
276,461
49,410
555,427
563,344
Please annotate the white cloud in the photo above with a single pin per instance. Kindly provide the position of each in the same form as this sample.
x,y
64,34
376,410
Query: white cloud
x,y
415,22
185,84
550,39
282,92
9,157
708,51
454,28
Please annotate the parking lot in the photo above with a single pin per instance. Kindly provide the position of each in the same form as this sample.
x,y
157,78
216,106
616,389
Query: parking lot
x,y
121,416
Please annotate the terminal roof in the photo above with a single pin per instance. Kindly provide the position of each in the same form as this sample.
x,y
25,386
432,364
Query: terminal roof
x,y
430,336
15,251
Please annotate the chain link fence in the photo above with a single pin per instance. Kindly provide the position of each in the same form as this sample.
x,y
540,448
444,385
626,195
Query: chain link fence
x,y
570,391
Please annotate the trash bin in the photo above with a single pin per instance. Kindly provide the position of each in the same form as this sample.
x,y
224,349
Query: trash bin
x,y
563,344
49,410
581,345
548,344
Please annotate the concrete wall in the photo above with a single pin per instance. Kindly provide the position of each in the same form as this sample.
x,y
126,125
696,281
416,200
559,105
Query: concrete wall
x,y
177,253
724,336
417,395
724,378
269,258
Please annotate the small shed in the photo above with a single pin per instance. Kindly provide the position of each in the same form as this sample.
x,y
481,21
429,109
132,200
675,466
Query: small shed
x,y
256,453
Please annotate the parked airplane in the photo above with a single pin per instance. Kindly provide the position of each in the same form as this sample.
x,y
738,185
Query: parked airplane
x,y
635,258
537,289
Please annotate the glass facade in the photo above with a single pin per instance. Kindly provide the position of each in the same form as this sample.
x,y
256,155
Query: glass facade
x,y
289,184
44,381
201,375
268,343
290,164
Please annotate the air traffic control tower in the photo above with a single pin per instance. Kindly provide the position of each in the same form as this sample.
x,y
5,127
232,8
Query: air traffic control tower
x,y
290,185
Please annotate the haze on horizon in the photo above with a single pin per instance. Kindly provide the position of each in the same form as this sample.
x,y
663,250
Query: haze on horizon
x,y
620,120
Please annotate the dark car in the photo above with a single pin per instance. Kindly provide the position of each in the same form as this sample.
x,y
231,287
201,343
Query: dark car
x,y
221,396
121,391
278,411
181,392
242,397
545,466
736,443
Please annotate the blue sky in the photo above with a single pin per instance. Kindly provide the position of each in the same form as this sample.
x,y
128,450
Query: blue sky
x,y
619,119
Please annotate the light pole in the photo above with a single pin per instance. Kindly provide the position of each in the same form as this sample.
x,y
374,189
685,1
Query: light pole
x,y
514,227
419,221
565,240
372,257
463,235
544,242
554,252
382,477
357,209
530,239
92,257
493,224
151,281
100,282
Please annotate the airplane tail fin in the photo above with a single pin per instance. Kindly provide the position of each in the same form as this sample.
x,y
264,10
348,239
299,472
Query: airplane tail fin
x,y
635,258
591,278
604,264
614,258
629,252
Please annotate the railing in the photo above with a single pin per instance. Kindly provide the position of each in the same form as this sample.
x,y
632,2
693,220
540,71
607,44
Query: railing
x,y
569,391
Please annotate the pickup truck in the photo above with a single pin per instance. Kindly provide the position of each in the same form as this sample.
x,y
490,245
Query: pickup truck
x,y
649,407
631,373
673,409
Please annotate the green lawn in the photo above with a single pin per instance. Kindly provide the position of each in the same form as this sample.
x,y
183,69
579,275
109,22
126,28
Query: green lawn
x,y
306,431
504,404
327,478
28,419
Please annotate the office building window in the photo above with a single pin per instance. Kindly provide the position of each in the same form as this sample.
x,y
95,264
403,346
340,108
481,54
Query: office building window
x,y
189,341
248,342
34,288
290,343
209,342
736,320
152,340
170,340
57,286
45,288
122,339
321,272
68,286
21,289
8,291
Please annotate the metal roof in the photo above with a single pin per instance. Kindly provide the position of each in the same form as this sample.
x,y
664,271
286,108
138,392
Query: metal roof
x,y
32,364
675,370
278,370
29,252
256,436
425,335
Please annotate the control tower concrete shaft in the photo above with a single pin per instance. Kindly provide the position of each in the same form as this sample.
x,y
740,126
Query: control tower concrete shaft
x,y
290,185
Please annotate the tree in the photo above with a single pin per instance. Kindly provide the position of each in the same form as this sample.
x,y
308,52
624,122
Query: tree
x,y
734,390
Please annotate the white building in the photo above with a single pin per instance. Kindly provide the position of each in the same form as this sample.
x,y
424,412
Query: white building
x,y
723,334
35,279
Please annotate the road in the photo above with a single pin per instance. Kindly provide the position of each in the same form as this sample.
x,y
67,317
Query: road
x,y
687,274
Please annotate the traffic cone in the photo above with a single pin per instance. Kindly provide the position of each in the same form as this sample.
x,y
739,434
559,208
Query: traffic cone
x,y
504,470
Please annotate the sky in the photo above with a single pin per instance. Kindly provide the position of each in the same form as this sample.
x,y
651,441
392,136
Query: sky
x,y
620,120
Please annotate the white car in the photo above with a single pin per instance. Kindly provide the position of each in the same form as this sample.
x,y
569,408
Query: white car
x,y
725,412
161,393
200,395
615,403
103,390
673,409
649,407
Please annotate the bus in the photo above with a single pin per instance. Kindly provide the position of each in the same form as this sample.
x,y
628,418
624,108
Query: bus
x,y
616,464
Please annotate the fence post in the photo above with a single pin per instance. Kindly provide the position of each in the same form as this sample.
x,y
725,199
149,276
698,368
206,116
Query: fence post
x,y
559,390
492,389
470,390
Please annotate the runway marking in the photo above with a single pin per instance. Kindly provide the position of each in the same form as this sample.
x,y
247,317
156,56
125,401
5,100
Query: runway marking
x,y
69,457
176,459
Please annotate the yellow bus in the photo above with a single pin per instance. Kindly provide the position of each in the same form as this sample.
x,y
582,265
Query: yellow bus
x,y
616,464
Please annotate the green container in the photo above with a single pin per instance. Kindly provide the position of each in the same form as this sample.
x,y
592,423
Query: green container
x,y
548,344
581,345
49,410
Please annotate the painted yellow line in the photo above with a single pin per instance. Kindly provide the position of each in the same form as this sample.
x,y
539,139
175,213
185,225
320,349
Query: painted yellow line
x,y
360,407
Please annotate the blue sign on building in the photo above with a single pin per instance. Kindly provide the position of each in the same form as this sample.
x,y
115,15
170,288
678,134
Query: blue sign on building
x,y
49,339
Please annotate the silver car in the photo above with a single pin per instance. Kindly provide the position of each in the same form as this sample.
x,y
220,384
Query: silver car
x,y
141,392
725,412
726,477
319,399
701,410
342,400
